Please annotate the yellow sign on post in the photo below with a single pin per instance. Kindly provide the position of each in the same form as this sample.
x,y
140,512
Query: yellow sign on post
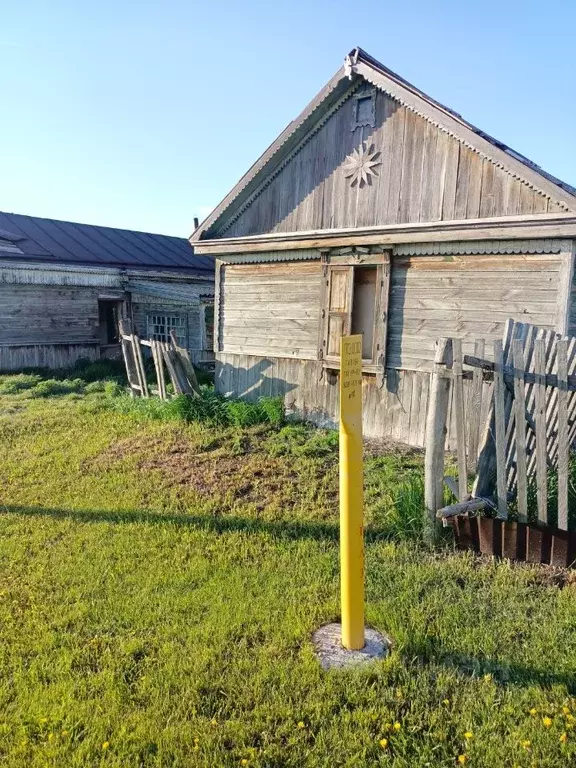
x,y
351,493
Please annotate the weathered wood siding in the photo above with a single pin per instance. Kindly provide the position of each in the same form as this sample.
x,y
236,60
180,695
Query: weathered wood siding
x,y
466,296
271,309
396,411
45,314
270,313
54,356
424,175
49,318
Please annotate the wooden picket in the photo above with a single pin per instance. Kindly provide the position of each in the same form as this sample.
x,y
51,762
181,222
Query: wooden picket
x,y
529,432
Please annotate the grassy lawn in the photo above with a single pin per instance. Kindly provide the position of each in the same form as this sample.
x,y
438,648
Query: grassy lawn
x,y
160,581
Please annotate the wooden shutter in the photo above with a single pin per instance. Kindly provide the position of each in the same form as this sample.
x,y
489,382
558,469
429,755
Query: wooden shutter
x,y
381,318
337,310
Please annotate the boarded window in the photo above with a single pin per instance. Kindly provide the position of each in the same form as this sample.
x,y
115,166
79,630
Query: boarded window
x,y
364,109
160,325
356,301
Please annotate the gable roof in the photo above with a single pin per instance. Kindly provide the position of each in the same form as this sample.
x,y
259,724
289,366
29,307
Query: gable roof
x,y
360,64
55,241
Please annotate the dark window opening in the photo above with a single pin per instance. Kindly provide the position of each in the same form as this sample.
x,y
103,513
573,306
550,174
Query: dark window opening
x,y
363,307
364,110
108,316
209,326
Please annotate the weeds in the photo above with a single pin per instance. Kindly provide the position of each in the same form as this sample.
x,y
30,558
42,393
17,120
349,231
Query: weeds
x,y
209,408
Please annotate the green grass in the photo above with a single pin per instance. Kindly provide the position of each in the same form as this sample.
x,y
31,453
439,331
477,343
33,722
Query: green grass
x,y
160,582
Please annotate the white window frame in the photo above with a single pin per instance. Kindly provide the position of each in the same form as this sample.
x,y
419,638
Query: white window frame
x,y
159,324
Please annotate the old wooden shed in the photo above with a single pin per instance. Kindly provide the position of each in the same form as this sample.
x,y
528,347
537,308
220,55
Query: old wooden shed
x,y
64,286
378,210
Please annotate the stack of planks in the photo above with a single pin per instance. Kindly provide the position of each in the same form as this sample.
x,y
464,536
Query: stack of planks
x,y
176,359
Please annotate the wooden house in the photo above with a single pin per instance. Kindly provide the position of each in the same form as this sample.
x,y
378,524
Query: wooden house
x,y
64,286
380,211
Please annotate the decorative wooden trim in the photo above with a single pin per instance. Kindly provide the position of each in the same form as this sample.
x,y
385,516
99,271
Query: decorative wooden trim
x,y
493,247
499,228
290,156
565,281
217,296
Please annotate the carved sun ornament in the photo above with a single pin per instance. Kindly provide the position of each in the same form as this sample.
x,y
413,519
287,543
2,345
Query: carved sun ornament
x,y
360,165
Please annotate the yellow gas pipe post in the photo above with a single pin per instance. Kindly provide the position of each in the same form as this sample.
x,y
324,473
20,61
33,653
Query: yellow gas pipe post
x,y
351,493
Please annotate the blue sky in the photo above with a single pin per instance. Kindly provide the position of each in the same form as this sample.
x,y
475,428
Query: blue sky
x,y
144,114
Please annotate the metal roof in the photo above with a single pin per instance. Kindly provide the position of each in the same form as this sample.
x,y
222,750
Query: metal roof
x,y
71,243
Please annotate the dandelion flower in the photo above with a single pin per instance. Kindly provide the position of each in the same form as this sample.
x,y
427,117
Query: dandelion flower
x,y
383,743
213,722
301,724
462,759
243,761
533,711
106,745
488,677
525,744
50,736
397,726
569,718
468,735
566,710
564,738
196,740
547,721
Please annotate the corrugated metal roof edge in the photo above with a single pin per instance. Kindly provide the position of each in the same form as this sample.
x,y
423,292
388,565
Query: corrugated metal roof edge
x,y
105,265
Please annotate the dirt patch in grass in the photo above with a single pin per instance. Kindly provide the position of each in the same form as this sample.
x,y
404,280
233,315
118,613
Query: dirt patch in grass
x,y
251,478
385,446
122,449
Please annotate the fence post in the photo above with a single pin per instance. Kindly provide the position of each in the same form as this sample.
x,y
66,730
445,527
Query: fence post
x,y
436,436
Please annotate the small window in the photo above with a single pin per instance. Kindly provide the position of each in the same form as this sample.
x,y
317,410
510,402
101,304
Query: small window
x,y
160,325
208,312
364,109
364,307
356,301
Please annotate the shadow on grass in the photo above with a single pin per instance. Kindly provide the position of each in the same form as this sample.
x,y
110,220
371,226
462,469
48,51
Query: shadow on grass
x,y
502,672
418,652
218,524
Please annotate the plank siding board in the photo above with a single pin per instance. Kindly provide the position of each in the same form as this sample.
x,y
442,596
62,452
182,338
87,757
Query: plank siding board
x,y
465,296
279,314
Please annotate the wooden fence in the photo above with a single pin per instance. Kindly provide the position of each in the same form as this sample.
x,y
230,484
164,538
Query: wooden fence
x,y
525,441
167,355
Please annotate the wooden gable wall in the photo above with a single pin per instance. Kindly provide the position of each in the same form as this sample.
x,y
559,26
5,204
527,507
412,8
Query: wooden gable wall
x,y
423,175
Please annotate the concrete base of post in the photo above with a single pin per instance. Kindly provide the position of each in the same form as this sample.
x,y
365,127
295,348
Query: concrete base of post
x,y
332,654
